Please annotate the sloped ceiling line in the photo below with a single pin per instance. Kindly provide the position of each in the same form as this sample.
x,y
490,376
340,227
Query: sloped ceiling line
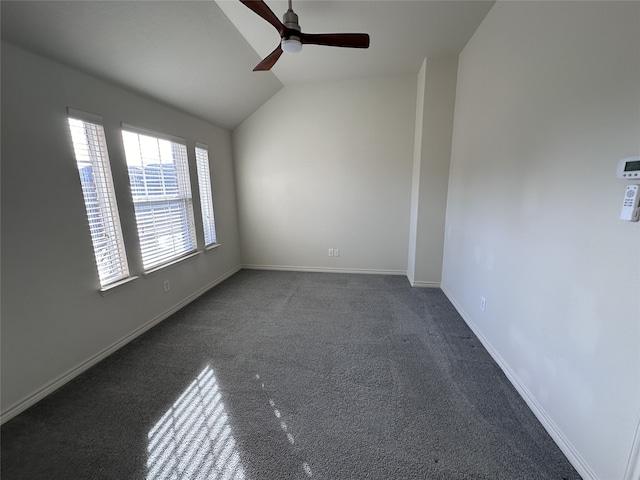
x,y
198,56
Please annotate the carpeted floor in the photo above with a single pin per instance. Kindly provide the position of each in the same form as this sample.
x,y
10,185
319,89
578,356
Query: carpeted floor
x,y
286,375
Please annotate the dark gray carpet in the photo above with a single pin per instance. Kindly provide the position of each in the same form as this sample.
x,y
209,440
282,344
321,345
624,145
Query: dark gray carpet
x,y
282,375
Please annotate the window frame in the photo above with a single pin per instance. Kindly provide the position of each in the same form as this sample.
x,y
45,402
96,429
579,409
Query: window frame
x,y
103,216
168,210
203,167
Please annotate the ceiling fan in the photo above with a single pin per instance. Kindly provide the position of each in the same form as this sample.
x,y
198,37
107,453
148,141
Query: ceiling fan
x,y
292,37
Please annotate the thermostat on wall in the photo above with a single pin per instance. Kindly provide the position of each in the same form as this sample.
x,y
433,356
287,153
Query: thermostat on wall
x,y
629,168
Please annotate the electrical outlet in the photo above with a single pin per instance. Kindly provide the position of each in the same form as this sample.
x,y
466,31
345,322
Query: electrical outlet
x,y
336,252
331,252
483,304
167,286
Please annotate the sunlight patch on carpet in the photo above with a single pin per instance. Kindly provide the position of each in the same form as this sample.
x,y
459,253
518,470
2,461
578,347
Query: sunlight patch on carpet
x,y
278,414
193,439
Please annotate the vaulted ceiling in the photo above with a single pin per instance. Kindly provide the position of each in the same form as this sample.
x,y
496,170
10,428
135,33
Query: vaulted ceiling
x,y
198,56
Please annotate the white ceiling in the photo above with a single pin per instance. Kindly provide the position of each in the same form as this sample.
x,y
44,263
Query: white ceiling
x,y
198,56
402,34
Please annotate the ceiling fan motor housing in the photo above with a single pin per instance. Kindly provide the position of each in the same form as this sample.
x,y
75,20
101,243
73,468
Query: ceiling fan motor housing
x,y
291,42
291,20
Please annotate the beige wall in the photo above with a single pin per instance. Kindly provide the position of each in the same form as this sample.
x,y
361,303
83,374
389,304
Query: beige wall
x,y
328,166
54,320
548,101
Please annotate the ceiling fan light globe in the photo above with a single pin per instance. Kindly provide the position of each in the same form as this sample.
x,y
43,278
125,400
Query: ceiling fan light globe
x,y
291,45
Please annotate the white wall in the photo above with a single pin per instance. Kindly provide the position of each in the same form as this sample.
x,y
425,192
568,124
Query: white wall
x,y
54,320
328,166
431,156
548,101
415,174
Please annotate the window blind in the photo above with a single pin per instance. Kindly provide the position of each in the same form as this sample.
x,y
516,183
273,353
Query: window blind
x,y
206,197
161,192
92,159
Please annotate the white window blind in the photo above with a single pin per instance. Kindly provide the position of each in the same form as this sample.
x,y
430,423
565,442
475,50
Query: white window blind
x,y
206,197
161,191
99,198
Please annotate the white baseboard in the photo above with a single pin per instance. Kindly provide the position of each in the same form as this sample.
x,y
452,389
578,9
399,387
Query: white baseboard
x,y
424,284
38,395
554,431
289,268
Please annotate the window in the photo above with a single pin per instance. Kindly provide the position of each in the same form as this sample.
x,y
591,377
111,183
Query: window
x,y
159,177
99,196
206,197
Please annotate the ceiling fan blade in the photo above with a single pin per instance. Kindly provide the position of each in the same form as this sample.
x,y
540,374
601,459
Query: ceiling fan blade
x,y
262,9
269,61
352,40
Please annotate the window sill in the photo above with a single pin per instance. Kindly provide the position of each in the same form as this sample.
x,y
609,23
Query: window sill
x,y
212,247
170,264
113,287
